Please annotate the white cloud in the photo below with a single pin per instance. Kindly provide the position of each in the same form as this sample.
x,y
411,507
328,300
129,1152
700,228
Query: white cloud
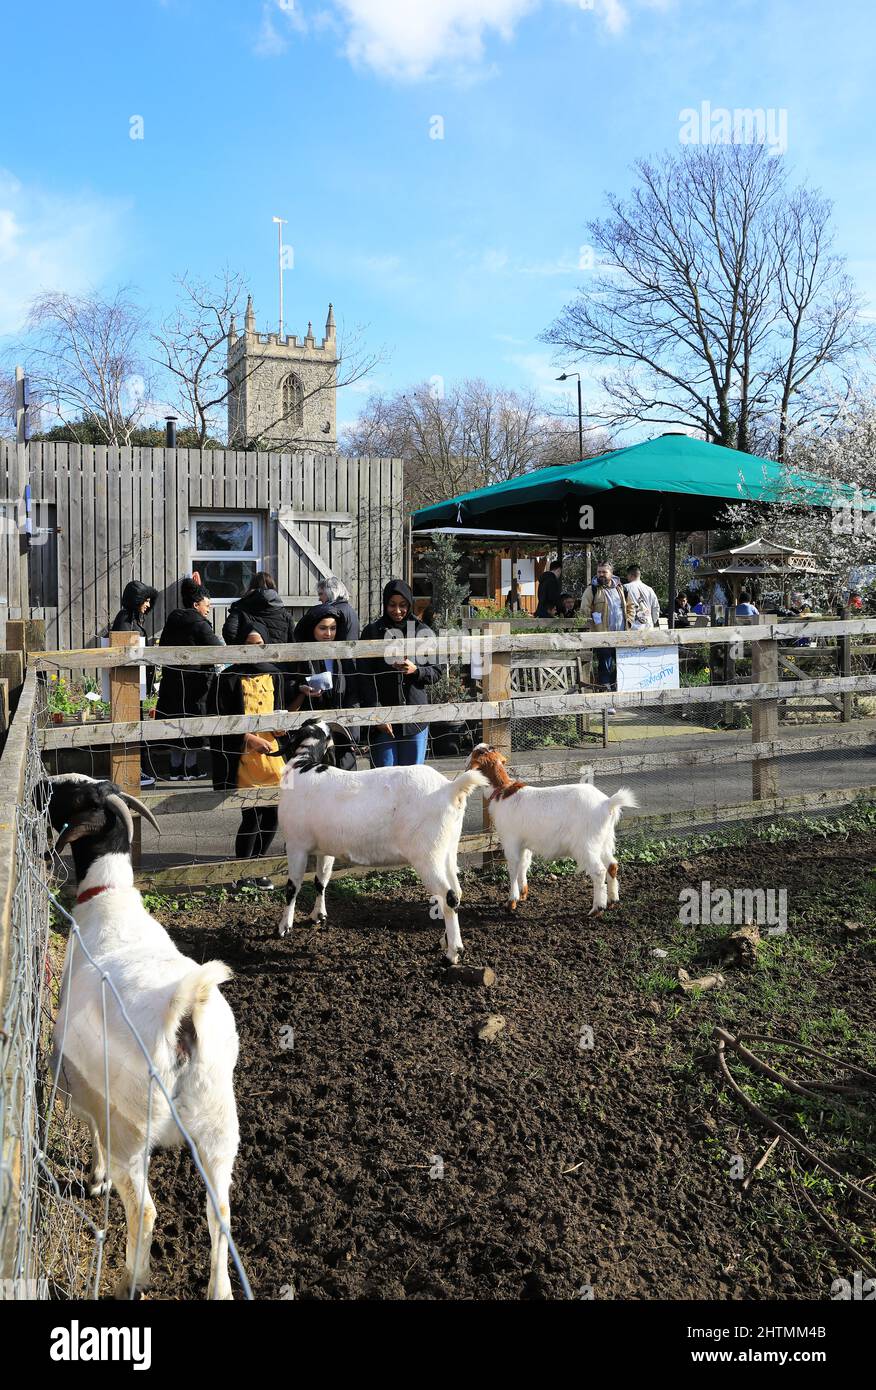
x,y
52,241
398,38
411,40
278,18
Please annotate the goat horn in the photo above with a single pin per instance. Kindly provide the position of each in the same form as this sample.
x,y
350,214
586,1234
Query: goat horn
x,y
143,810
118,804
71,777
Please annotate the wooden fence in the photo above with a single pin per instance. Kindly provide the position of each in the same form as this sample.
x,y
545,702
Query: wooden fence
x,y
495,712
101,516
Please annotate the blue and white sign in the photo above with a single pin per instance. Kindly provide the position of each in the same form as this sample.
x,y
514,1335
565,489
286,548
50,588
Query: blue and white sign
x,y
648,668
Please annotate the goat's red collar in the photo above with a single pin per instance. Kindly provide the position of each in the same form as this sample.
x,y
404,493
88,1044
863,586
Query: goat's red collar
x,y
92,893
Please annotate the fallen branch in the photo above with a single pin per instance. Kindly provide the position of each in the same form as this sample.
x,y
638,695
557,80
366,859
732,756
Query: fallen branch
x,y
829,1226
749,1176
724,1040
704,982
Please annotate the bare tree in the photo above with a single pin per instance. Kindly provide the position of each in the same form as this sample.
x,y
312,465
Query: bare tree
x,y
85,361
469,436
192,347
7,404
842,534
719,305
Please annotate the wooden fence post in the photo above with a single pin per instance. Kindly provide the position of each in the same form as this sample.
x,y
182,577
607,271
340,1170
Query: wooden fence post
x,y
496,686
125,704
764,719
845,669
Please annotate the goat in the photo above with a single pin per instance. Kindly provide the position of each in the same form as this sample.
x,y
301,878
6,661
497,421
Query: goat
x,y
393,815
577,821
175,1006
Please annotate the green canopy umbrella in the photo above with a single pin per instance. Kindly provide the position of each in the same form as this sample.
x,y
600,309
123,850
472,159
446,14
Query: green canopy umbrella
x,y
672,483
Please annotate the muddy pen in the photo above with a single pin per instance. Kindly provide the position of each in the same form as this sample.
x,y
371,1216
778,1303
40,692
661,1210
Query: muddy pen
x,y
669,1097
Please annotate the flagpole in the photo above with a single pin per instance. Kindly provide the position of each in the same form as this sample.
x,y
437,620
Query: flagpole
x,y
281,222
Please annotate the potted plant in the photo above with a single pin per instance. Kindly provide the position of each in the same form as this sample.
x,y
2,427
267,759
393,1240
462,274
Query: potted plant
x,y
63,705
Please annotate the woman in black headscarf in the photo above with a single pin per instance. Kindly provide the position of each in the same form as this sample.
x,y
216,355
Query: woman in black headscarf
x,y
137,599
397,682
183,689
321,685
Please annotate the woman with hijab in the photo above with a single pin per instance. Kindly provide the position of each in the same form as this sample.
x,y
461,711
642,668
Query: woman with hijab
x,y
137,599
397,682
183,689
320,685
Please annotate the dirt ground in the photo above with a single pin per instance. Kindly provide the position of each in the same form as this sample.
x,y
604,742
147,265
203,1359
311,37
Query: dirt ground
x,y
388,1154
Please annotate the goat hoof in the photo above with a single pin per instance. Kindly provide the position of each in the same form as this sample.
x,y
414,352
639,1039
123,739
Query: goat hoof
x,y
122,1289
319,920
512,905
596,912
98,1189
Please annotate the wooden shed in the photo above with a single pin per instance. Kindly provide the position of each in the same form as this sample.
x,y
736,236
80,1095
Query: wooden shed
x,y
80,521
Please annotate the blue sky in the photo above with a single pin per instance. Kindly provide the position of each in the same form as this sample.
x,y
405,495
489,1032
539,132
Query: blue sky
x,y
452,254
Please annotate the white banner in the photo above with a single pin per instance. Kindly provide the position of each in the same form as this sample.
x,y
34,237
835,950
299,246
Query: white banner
x,y
648,668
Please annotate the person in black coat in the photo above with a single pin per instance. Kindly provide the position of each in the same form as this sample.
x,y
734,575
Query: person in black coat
x,y
183,689
322,623
137,599
401,682
261,604
549,591
332,590
251,760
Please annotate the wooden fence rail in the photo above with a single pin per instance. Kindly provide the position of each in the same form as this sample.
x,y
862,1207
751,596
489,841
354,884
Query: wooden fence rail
x,y
474,711
763,751
454,647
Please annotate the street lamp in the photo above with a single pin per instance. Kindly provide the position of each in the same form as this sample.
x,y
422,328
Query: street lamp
x,y
565,377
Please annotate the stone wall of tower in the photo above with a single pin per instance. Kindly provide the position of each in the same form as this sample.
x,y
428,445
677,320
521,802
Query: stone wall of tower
x,y
258,365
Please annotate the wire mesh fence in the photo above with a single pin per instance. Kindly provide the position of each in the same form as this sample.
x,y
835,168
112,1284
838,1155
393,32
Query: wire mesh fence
x,y
60,1232
200,826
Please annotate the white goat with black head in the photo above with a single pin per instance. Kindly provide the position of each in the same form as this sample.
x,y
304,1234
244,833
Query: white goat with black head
x,y
175,1006
390,815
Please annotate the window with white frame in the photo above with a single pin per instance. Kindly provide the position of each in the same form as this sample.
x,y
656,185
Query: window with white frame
x,y
226,552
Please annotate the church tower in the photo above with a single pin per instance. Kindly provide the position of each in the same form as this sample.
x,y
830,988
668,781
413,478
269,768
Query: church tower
x,y
283,390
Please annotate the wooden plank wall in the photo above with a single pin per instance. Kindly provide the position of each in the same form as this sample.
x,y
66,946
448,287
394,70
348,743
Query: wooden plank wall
x,y
124,513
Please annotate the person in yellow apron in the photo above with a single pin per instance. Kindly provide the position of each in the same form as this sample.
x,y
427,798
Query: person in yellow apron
x,y
242,761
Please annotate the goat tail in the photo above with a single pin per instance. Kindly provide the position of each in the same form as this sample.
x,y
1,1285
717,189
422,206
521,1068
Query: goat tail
x,y
191,995
613,805
461,788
